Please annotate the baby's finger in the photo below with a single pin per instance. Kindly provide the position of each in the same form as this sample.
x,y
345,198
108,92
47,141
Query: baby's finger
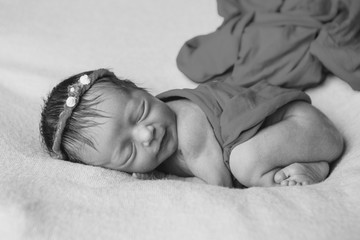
x,y
142,176
137,175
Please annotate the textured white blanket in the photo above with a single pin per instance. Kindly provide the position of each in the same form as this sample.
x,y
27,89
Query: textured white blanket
x,y
44,41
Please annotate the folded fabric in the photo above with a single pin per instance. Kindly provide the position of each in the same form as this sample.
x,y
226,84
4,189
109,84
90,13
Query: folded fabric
x,y
290,43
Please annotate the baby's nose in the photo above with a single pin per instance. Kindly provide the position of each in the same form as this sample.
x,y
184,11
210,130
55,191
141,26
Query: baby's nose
x,y
144,134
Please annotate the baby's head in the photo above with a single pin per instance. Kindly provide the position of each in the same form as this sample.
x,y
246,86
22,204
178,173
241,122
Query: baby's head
x,y
98,119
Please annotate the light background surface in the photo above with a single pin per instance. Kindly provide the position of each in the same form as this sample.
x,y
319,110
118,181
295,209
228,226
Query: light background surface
x,y
44,41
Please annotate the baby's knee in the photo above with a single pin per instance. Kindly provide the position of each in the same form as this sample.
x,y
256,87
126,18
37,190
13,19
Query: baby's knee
x,y
318,126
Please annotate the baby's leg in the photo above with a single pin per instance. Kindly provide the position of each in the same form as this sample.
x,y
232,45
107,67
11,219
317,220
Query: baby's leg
x,y
297,133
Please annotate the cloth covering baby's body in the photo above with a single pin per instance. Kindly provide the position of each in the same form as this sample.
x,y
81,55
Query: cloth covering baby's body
x,y
236,113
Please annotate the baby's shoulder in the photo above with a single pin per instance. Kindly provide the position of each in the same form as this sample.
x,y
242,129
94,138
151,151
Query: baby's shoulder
x,y
185,106
190,117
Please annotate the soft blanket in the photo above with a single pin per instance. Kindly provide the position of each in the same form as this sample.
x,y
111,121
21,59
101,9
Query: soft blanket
x,y
291,43
44,41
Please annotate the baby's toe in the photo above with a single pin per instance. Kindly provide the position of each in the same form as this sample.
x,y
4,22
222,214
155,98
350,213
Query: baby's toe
x,y
289,182
292,183
280,176
284,183
305,183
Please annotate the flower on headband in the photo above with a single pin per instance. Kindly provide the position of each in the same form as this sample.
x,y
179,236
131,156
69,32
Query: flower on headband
x,y
84,79
71,101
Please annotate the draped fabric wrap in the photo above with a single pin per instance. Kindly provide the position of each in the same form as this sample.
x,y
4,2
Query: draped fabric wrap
x,y
236,113
290,43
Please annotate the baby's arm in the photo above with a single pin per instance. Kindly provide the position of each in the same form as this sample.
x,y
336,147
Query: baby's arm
x,y
296,133
186,179
154,175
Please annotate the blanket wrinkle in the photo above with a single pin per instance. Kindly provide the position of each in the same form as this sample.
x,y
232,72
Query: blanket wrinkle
x,y
291,43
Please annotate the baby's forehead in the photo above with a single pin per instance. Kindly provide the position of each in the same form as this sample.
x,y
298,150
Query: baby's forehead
x,y
105,88
118,104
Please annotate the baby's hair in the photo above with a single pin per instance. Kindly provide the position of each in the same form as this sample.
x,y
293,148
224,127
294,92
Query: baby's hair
x,y
81,115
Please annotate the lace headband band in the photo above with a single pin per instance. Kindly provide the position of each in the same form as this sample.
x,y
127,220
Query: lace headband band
x,y
75,91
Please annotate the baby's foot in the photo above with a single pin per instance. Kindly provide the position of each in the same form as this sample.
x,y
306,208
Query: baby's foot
x,y
302,174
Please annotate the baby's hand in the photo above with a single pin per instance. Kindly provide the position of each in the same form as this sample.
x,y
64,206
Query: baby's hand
x,y
149,176
154,175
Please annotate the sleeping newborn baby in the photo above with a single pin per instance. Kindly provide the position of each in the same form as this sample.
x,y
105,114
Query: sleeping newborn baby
x,y
216,133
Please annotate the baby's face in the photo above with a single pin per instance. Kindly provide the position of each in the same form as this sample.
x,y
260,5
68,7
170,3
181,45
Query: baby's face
x,y
139,135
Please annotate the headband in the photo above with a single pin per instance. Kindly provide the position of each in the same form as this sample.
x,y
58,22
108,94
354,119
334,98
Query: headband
x,y
75,91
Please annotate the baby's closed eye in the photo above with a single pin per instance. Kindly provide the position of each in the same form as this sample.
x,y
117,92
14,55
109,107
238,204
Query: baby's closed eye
x,y
129,153
142,111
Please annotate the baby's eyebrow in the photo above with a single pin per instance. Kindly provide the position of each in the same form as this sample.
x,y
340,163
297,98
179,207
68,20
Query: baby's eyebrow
x,y
128,110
